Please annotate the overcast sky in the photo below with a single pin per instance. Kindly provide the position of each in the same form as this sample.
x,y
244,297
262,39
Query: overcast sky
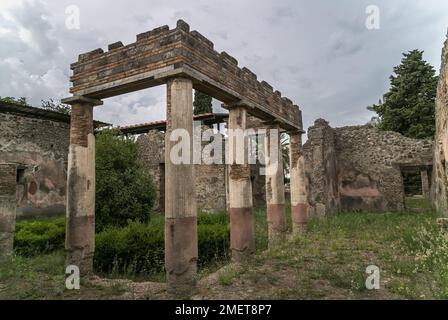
x,y
318,53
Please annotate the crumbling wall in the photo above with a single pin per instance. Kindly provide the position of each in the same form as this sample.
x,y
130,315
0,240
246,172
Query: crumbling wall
x,y
370,162
8,205
41,146
359,167
210,180
151,150
321,169
439,188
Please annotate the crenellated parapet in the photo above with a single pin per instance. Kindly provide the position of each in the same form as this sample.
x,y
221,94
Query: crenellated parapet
x,y
164,53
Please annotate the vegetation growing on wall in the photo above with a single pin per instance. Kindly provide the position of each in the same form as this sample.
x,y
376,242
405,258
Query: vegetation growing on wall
x,y
11,100
55,105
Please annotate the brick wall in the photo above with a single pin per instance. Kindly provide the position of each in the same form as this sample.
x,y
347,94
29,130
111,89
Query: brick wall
x,y
127,68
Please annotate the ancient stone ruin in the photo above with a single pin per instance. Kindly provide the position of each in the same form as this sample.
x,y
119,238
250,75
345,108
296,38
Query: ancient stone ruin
x,y
183,60
337,169
37,142
439,188
8,206
360,168
211,180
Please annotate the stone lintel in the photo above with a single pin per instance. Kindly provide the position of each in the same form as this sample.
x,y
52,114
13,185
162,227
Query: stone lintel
x,y
295,131
82,99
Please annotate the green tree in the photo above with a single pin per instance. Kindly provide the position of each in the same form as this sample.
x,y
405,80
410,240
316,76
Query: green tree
x,y
202,103
55,105
124,191
409,106
17,101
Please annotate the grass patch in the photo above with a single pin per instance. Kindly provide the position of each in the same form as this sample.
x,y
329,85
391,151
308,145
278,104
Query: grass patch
x,y
419,203
328,261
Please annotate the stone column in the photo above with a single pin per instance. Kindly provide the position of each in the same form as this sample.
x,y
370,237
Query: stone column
x,y
425,182
8,206
80,212
181,241
242,234
275,185
299,200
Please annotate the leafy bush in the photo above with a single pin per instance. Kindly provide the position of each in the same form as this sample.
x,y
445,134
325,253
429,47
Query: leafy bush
x,y
39,237
124,191
136,248
215,218
139,247
213,243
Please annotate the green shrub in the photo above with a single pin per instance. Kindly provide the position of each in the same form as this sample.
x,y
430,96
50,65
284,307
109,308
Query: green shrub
x,y
216,218
124,191
213,243
138,248
39,237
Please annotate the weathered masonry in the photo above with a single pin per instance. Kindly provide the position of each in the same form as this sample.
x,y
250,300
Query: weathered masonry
x,y
211,181
439,188
360,167
8,206
37,141
182,60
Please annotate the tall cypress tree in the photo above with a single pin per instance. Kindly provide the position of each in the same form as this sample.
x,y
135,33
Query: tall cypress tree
x,y
202,103
409,106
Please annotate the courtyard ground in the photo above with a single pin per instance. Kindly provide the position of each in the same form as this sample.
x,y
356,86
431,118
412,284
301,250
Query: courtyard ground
x,y
327,262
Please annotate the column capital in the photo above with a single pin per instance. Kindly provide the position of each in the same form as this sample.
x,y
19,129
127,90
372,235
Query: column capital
x,y
82,99
295,132
235,105
272,123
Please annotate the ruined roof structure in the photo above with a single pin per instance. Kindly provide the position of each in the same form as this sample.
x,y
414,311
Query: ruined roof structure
x,y
183,61
39,113
360,167
205,118
162,53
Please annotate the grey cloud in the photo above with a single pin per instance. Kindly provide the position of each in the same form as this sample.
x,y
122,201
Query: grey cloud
x,y
317,53
221,34
278,14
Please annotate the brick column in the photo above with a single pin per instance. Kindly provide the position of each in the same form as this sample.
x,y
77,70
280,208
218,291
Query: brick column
x,y
8,206
80,212
275,185
299,200
425,182
242,234
181,241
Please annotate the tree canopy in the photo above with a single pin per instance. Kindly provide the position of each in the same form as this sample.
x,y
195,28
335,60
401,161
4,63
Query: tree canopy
x,y
409,106
124,191
202,103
